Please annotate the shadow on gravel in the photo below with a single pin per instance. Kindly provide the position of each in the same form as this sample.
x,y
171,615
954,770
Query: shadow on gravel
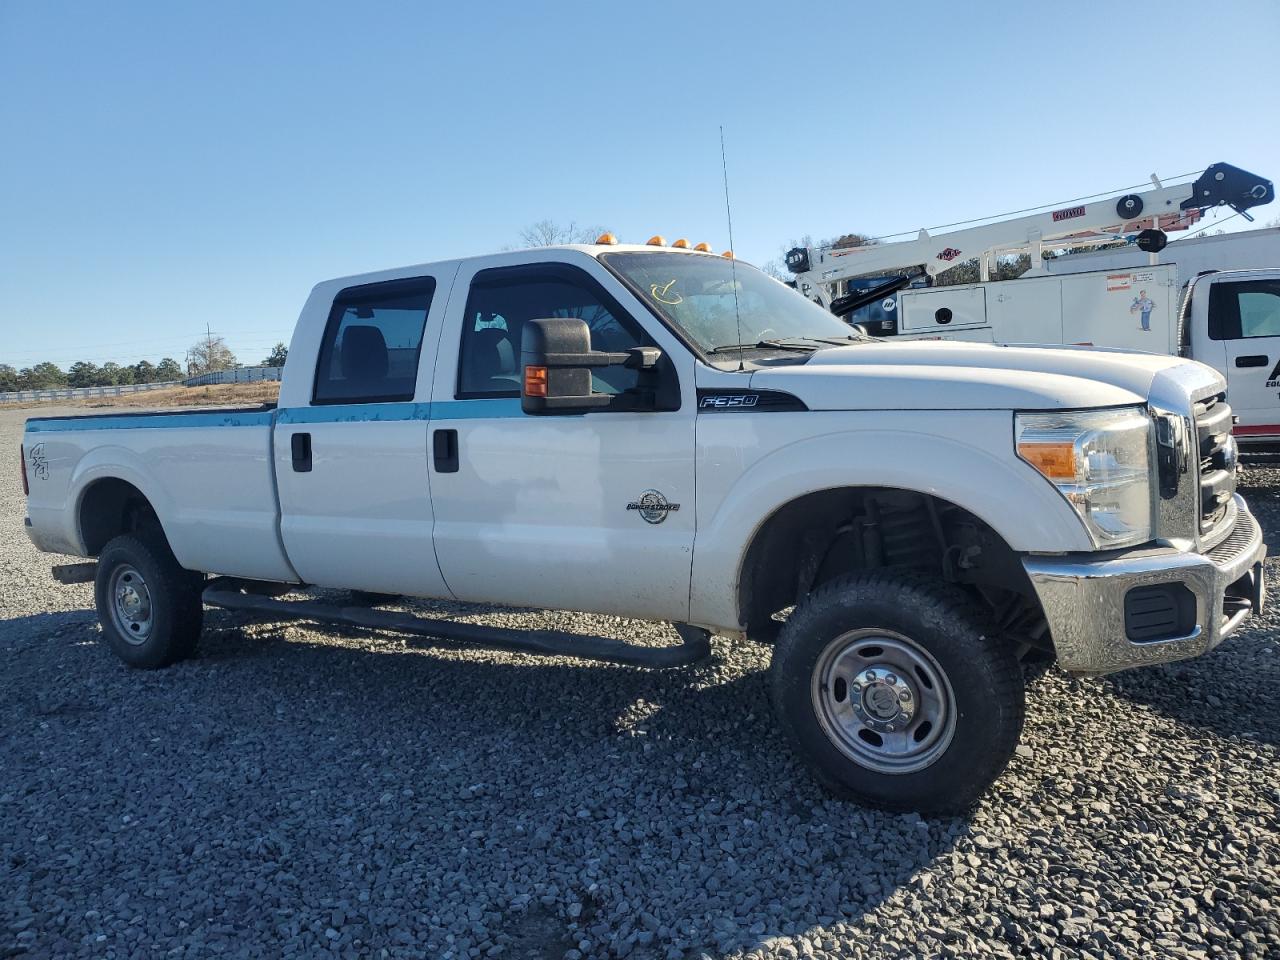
x,y
421,801
1233,691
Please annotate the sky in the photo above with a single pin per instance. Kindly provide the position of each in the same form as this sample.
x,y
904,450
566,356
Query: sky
x,y
167,167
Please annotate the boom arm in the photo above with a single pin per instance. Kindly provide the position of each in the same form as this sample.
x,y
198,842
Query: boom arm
x,y
1075,225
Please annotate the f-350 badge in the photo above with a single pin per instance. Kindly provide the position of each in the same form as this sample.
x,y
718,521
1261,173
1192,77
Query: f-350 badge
x,y
652,506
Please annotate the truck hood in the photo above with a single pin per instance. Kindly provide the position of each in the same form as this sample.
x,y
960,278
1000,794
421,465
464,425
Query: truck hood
x,y
934,375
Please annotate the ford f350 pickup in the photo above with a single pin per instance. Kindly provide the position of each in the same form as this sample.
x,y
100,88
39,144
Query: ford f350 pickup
x,y
669,434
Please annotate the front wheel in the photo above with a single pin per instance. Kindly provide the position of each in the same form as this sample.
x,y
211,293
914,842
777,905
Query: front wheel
x,y
149,606
896,691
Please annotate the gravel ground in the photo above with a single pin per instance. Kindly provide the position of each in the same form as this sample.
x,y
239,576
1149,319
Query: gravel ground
x,y
302,791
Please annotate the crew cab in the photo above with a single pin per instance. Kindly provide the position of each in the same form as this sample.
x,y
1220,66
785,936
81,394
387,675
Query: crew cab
x,y
668,434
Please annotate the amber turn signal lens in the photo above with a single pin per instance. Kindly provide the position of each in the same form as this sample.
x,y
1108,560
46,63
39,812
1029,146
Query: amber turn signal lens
x,y
704,247
535,381
657,240
1056,461
607,239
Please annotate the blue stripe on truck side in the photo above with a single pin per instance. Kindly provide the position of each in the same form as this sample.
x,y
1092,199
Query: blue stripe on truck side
x,y
133,421
486,409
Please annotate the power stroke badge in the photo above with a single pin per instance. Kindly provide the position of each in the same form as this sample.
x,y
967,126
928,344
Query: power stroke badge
x,y
652,506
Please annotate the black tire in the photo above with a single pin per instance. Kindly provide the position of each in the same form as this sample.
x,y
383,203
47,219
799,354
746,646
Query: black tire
x,y
160,623
982,681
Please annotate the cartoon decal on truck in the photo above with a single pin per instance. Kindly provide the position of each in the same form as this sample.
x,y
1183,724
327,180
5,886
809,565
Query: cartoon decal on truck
x,y
1144,305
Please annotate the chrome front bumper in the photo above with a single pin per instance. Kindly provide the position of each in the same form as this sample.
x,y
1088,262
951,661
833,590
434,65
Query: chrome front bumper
x,y
1083,598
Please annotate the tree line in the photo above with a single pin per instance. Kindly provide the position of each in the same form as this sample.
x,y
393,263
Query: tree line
x,y
210,354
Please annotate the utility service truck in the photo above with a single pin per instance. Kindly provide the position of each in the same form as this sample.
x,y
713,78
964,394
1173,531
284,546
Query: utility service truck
x,y
1131,300
658,432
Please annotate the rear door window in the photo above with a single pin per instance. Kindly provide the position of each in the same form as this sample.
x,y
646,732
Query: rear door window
x,y
373,342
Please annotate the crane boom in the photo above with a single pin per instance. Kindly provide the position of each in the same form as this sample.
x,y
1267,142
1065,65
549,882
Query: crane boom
x,y
819,270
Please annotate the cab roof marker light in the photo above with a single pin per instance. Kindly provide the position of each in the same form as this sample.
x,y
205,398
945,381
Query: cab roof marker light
x,y
728,254
703,247
607,239
681,244
657,240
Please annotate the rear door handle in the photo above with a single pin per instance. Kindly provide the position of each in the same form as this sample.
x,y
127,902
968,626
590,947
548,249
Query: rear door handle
x,y
300,447
444,448
1253,360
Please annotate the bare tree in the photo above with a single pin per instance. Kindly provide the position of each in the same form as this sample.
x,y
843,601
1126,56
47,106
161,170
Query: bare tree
x,y
547,233
210,353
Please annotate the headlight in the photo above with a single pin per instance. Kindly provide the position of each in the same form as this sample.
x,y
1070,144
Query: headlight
x,y
1101,461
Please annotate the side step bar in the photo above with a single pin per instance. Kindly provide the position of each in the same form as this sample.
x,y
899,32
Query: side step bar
x,y
231,595
76,572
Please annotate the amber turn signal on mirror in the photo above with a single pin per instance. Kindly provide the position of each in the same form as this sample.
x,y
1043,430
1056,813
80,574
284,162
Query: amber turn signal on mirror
x,y
535,381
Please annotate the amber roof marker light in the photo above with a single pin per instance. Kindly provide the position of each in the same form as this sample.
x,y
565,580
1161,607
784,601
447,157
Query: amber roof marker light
x,y
703,247
657,240
607,240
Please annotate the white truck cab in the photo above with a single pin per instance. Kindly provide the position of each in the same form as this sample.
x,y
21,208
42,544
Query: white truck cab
x,y
669,434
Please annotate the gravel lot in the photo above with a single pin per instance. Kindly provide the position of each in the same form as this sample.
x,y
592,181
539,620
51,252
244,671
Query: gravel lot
x,y
297,790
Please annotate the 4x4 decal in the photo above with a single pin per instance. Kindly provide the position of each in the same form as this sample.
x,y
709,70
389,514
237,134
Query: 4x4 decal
x,y
39,464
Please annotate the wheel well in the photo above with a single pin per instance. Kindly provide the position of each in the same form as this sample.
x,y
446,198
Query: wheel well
x,y
806,542
110,507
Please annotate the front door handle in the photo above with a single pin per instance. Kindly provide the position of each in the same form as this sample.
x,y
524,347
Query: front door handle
x,y
1253,360
300,447
444,448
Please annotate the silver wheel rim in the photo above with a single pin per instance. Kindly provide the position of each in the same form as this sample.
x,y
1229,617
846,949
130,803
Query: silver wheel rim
x,y
884,701
130,602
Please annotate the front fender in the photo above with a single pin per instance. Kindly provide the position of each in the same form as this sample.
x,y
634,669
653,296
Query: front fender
x,y
982,476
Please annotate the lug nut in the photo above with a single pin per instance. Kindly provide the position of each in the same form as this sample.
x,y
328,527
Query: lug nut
x,y
871,675
890,678
904,695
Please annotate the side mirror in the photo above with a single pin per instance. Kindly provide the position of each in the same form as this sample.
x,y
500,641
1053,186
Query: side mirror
x,y
556,359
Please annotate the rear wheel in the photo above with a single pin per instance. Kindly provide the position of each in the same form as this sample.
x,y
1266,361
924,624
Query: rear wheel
x,y
149,606
897,692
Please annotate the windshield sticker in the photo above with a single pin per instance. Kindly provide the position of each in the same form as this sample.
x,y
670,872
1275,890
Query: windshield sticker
x,y
663,294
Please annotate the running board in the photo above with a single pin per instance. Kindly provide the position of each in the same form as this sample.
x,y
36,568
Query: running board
x,y
76,572
696,643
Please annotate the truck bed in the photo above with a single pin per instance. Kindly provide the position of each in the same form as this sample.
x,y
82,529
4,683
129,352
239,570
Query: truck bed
x,y
208,473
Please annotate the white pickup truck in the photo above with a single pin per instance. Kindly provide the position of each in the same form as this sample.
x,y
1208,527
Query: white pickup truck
x,y
668,434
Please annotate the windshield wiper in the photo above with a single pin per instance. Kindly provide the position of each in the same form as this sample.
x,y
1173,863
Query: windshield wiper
x,y
765,345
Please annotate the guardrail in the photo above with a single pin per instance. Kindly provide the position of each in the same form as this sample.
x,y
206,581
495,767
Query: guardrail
x,y
238,375
76,393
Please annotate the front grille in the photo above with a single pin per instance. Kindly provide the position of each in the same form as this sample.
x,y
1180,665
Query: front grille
x,y
1217,454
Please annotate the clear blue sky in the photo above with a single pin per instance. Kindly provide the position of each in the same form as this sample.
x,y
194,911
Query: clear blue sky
x,y
164,165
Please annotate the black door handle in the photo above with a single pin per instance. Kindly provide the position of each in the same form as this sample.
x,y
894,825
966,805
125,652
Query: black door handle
x,y
1253,360
300,447
444,448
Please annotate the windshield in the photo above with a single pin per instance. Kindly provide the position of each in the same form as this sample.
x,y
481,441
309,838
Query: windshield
x,y
696,293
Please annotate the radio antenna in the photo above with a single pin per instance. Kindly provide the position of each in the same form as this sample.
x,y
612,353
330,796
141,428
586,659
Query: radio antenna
x,y
733,260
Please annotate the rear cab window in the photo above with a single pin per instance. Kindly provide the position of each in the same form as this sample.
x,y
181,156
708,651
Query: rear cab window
x,y
373,342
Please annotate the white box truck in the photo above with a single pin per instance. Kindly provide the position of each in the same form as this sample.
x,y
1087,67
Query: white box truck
x,y
1229,320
